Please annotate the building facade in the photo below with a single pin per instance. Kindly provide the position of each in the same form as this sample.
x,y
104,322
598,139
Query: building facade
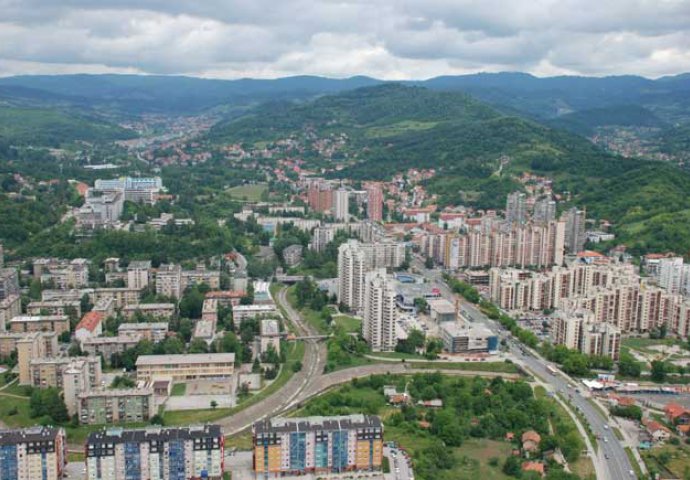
x,y
156,453
294,446
185,366
380,312
36,453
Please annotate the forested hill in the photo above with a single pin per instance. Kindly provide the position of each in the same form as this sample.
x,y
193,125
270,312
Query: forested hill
x,y
477,151
401,127
53,127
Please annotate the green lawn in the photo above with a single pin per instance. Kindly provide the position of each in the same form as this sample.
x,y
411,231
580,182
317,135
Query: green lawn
x,y
499,367
398,128
350,324
671,461
250,192
644,344
241,441
179,389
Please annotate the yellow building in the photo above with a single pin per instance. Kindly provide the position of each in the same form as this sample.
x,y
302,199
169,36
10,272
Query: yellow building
x,y
185,367
318,444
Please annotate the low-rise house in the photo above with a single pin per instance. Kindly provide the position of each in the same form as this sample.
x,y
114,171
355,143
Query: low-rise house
x,y
90,325
657,431
530,441
677,414
537,467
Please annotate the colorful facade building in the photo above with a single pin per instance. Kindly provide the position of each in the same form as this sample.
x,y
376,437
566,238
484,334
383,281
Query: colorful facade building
x,y
293,446
36,453
156,453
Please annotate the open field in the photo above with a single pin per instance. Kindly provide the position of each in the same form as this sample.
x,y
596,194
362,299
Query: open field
x,y
249,192
350,324
179,389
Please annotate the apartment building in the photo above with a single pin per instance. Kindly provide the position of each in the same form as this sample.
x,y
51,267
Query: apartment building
x,y
209,309
243,312
63,274
185,367
269,335
120,296
157,310
341,205
380,312
156,453
33,453
575,236
374,202
54,307
189,278
30,346
138,274
10,307
152,331
579,330
9,282
292,255
351,271
320,195
104,406
48,371
39,323
320,445
169,281
108,346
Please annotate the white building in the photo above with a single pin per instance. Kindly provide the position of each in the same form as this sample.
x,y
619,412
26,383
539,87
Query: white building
x,y
380,312
341,201
351,271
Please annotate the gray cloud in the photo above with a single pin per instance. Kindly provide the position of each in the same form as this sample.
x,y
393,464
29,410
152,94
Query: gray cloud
x,y
382,38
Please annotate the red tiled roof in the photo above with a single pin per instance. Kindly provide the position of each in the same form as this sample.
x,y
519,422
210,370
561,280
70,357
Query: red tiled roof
x,y
90,321
533,467
531,435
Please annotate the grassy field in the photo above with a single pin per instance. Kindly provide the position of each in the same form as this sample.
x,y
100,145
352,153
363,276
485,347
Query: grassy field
x,y
249,192
584,468
671,461
644,344
350,324
242,441
312,318
499,367
398,128
179,389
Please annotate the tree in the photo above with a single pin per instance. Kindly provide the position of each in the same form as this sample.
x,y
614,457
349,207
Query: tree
x,y
429,263
48,403
157,420
512,467
297,366
256,366
628,366
214,404
192,303
659,370
198,345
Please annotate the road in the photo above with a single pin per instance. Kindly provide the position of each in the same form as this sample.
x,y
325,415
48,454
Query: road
x,y
290,394
400,468
610,459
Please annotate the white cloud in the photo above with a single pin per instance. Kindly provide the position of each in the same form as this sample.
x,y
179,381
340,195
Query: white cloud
x,y
391,39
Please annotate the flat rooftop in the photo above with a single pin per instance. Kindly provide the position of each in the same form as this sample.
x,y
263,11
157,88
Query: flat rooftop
x,y
191,358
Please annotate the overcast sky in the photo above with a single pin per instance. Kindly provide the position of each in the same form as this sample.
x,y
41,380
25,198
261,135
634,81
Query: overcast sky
x,y
390,39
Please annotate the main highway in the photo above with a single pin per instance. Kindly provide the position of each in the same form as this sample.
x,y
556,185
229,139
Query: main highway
x,y
610,460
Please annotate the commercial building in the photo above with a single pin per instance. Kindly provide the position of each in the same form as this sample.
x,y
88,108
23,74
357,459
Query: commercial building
x,y
104,406
36,453
441,310
155,310
156,453
468,339
294,446
269,335
39,323
379,319
185,367
133,189
101,209
152,331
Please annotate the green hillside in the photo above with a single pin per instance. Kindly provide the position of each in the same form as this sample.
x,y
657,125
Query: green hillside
x,y
585,122
477,151
52,128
